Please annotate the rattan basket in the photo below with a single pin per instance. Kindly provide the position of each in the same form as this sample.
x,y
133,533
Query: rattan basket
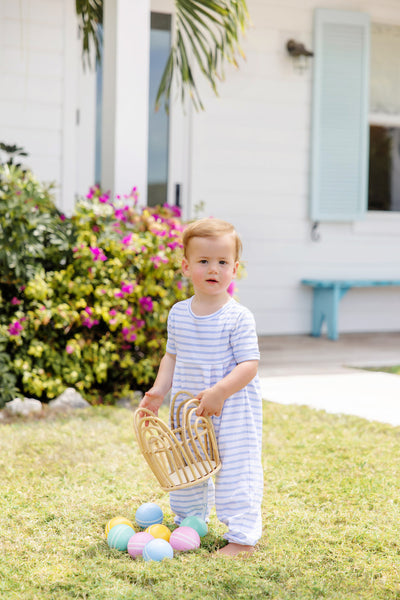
x,y
182,455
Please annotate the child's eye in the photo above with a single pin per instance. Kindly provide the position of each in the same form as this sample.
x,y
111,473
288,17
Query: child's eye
x,y
203,261
223,262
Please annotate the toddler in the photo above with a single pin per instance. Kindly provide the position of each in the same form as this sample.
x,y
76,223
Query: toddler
x,y
212,351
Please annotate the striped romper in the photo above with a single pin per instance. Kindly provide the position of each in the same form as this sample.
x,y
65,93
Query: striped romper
x,y
207,348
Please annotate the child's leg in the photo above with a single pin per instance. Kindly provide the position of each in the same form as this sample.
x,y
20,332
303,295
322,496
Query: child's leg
x,y
239,483
238,503
194,501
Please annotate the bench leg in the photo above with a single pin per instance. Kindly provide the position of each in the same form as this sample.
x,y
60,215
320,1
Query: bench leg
x,y
325,308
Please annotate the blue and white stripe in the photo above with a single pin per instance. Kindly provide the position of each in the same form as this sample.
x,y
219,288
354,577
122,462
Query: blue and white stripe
x,y
207,348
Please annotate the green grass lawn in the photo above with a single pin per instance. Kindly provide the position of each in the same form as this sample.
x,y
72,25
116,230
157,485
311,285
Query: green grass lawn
x,y
395,370
331,513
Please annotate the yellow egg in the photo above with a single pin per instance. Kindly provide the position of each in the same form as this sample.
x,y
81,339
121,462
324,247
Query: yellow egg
x,y
117,521
159,531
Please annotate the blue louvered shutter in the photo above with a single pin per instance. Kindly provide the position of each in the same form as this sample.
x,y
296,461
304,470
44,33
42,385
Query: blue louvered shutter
x,y
340,133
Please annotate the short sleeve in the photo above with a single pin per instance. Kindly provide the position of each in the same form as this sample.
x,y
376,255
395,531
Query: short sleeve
x,y
244,339
171,345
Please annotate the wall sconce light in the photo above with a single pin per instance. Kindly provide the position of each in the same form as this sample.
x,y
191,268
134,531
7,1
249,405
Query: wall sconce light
x,y
299,54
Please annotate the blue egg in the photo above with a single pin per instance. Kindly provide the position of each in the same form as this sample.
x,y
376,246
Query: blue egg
x,y
149,514
157,550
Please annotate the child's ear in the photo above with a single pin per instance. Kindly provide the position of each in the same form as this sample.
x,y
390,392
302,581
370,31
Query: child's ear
x,y
185,266
235,268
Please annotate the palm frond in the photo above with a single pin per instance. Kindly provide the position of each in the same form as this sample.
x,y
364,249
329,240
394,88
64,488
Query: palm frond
x,y
207,34
90,18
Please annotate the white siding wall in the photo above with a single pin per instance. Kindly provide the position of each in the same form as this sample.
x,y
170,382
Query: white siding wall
x,y
250,165
31,76
41,88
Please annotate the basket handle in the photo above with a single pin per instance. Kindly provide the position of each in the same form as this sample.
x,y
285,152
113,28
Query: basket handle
x,y
172,411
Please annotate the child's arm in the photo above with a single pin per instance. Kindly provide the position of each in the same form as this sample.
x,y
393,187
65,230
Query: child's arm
x,y
212,399
155,396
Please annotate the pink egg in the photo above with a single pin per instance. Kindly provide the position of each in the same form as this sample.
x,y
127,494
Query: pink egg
x,y
184,538
137,542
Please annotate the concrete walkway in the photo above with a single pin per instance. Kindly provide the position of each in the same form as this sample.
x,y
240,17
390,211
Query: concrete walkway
x,y
327,375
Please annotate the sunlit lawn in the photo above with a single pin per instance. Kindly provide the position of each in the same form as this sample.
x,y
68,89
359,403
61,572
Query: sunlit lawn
x,y
331,513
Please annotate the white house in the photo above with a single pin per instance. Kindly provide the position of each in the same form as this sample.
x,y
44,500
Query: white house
x,y
283,152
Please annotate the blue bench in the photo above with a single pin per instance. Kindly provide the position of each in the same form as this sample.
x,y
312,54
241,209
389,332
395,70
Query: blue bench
x,y
327,294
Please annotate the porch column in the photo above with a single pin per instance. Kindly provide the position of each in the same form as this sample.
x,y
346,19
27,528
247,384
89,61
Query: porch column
x,y
126,62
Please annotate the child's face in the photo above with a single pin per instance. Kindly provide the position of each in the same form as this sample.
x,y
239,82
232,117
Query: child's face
x,y
210,264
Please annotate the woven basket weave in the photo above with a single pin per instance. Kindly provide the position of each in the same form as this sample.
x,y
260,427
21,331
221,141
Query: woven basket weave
x,y
182,455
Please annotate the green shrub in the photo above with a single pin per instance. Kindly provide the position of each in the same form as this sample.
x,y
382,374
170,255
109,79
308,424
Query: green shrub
x,y
33,232
99,323
34,236
8,390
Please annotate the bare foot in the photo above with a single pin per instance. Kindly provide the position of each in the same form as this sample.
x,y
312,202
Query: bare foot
x,y
233,549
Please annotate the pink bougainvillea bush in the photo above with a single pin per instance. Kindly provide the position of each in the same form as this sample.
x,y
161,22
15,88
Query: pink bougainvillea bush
x,y
99,323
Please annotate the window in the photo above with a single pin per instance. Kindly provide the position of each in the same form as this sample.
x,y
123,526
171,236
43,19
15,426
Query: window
x,y
384,147
160,43
384,168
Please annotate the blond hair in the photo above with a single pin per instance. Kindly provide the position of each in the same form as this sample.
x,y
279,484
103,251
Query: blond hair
x,y
211,228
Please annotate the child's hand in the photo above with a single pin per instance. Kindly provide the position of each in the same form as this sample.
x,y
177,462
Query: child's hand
x,y
151,400
211,403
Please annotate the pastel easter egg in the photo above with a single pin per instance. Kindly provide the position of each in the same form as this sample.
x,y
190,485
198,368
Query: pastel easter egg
x,y
184,538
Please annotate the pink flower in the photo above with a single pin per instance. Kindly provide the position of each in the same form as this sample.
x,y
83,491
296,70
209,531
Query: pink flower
x,y
127,288
129,311
231,288
173,245
176,211
127,239
98,254
62,217
69,349
119,294
15,328
146,303
135,195
120,213
14,301
179,285
96,228
104,198
92,192
112,312
90,322
156,260
129,334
